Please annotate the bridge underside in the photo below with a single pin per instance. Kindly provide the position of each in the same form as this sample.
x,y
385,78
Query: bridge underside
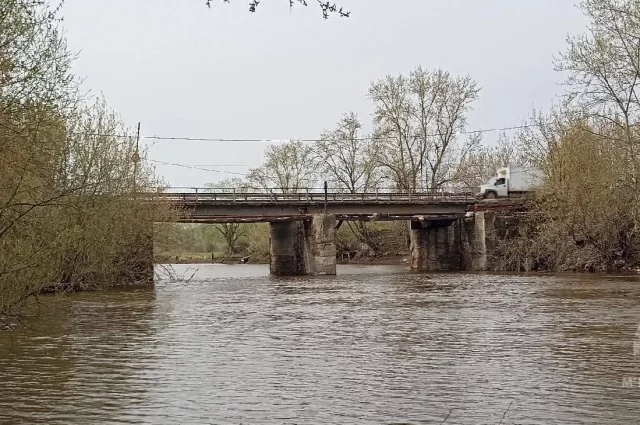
x,y
309,247
306,217
365,211
435,245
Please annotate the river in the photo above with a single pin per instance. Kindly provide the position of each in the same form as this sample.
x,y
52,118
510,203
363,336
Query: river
x,y
373,345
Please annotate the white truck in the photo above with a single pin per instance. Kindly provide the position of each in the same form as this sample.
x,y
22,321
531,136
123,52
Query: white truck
x,y
511,182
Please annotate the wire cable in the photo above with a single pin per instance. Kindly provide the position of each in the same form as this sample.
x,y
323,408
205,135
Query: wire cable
x,y
208,139
174,164
224,140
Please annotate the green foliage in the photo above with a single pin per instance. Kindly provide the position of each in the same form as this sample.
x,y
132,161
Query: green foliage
x,y
379,239
231,232
198,238
69,215
259,240
587,216
583,218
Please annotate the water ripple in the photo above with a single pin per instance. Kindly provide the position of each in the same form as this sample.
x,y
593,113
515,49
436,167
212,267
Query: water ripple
x,y
373,345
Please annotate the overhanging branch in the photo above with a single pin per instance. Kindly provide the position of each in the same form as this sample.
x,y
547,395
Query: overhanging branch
x,y
326,7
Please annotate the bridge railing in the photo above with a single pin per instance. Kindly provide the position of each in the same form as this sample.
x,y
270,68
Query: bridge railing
x,y
310,195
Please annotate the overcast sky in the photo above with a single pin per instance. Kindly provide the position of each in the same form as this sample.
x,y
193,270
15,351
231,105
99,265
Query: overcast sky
x,y
183,70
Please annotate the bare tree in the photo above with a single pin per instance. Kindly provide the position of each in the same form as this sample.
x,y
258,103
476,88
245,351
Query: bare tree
x,y
349,161
481,161
289,167
586,216
419,119
231,232
347,158
603,69
397,149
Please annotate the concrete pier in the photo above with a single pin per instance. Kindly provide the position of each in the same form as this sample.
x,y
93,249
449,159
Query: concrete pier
x,y
300,248
487,235
287,248
436,245
474,243
481,240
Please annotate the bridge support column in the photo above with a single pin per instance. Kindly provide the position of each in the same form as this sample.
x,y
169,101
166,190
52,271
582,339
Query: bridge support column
x,y
304,248
436,245
322,237
287,248
482,240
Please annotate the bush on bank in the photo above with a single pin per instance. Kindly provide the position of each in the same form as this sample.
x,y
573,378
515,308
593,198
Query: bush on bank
x,y
585,217
70,216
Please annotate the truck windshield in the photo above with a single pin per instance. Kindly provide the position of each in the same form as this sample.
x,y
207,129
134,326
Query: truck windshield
x,y
491,181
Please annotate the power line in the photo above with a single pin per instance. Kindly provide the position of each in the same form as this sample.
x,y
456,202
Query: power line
x,y
201,167
207,139
90,134
195,167
236,140
489,130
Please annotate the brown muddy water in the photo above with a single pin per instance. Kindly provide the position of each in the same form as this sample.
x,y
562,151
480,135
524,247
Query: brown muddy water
x,y
374,345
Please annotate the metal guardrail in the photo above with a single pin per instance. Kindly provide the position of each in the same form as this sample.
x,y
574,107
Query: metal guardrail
x,y
310,195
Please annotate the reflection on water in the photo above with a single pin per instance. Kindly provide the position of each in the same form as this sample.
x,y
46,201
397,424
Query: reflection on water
x,y
373,345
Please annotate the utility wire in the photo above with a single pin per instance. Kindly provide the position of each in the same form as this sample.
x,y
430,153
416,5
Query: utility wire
x,y
201,166
206,139
195,167
489,130
212,139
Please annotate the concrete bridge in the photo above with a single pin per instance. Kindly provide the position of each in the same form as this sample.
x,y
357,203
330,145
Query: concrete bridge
x,y
198,205
303,223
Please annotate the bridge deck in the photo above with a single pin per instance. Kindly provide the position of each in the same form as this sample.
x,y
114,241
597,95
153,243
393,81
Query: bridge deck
x,y
201,206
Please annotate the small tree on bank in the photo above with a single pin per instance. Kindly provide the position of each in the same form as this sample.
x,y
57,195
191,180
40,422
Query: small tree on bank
x,y
231,232
69,214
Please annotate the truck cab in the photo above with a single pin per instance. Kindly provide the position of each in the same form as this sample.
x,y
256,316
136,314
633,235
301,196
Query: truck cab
x,y
496,187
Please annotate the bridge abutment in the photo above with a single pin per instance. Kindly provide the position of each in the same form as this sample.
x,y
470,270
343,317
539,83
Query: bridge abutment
x,y
301,248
